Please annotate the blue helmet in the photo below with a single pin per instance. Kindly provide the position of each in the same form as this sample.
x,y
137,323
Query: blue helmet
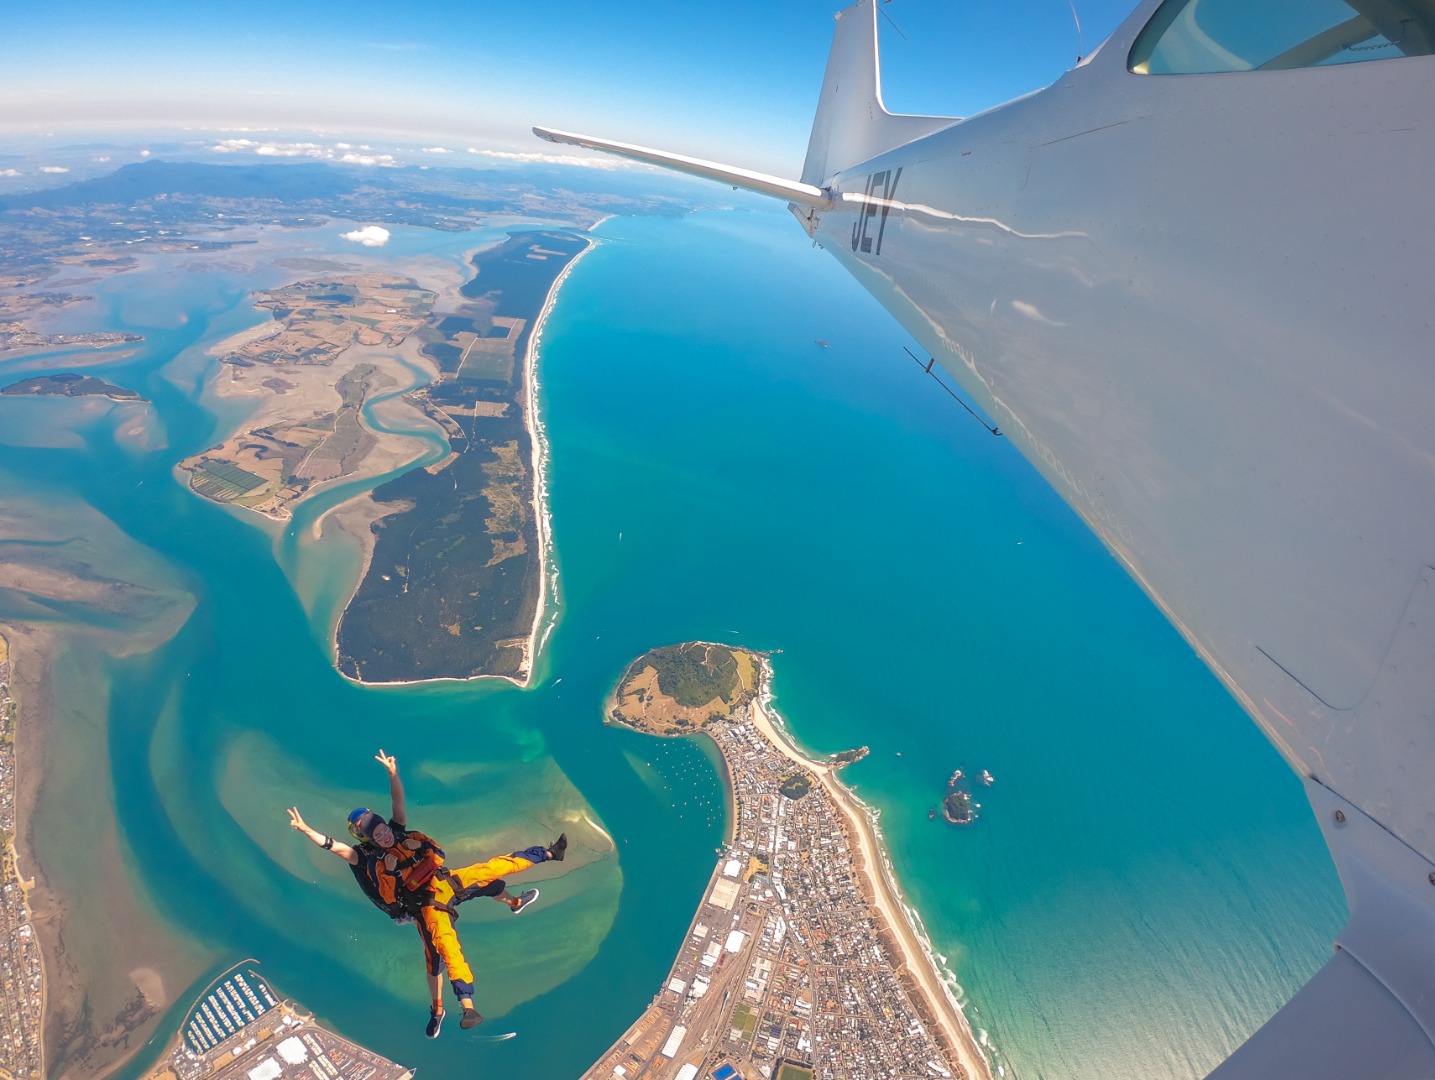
x,y
362,823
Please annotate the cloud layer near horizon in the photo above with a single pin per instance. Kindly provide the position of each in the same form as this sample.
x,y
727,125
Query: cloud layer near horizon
x,y
341,152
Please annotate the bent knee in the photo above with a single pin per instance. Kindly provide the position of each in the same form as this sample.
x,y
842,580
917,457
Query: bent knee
x,y
492,888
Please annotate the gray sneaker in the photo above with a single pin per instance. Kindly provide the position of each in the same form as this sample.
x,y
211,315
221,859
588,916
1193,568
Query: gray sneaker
x,y
526,897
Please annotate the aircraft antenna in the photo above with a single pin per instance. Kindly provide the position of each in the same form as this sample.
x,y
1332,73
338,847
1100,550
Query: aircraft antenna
x,y
883,10
927,366
1080,50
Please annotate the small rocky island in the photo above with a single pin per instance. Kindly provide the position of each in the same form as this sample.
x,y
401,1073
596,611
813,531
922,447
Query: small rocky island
x,y
958,808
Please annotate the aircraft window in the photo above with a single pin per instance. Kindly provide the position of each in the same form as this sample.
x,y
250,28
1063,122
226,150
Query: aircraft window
x,y
1191,36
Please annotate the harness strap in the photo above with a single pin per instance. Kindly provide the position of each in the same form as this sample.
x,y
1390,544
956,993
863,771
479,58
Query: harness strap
x,y
448,909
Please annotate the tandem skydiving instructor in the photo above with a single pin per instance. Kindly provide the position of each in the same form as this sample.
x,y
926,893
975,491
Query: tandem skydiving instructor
x,y
402,871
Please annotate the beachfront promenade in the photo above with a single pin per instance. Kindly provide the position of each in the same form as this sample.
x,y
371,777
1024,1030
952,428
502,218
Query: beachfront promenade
x,y
798,963
22,985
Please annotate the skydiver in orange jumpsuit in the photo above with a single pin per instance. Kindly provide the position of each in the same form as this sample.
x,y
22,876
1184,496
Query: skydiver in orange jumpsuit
x,y
402,871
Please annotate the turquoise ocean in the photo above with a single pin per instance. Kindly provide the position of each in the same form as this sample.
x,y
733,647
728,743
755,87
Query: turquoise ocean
x,y
741,452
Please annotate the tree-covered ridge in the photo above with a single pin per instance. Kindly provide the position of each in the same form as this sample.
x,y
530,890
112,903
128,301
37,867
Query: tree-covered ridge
x,y
695,673
679,689
68,384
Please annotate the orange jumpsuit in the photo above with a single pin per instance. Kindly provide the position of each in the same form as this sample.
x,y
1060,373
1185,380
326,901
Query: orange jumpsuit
x,y
435,924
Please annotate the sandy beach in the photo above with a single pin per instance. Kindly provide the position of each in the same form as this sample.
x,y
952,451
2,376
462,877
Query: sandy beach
x,y
882,890
545,616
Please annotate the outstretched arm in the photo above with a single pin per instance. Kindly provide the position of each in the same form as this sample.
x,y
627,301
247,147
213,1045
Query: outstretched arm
x,y
344,851
396,787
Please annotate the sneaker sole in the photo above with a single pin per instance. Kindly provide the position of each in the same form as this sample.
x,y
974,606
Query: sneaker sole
x,y
525,904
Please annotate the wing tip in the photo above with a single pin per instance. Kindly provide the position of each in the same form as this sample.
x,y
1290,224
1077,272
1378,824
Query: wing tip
x,y
734,176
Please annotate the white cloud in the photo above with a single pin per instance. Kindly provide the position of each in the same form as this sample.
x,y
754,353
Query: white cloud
x,y
103,158
9,172
293,150
386,160
53,169
369,236
437,150
144,153
338,152
561,159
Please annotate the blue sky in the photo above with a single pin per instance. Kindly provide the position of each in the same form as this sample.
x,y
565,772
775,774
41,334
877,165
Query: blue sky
x,y
734,80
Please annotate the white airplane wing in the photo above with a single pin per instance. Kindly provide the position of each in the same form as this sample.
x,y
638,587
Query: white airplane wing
x,y
791,190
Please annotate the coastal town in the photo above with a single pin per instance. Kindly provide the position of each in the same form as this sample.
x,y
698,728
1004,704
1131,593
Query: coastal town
x,y
21,979
797,964
16,338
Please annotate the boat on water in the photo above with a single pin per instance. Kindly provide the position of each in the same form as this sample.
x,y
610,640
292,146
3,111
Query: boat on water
x,y
984,777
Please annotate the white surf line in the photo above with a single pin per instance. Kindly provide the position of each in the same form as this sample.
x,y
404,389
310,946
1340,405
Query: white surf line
x,y
545,618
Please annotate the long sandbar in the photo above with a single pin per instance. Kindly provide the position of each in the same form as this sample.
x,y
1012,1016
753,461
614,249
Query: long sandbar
x,y
545,608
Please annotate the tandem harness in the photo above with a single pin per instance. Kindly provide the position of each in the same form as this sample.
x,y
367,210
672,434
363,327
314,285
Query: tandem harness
x,y
397,879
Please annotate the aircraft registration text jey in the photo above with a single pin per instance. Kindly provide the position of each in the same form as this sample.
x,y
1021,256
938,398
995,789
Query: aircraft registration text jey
x,y
877,204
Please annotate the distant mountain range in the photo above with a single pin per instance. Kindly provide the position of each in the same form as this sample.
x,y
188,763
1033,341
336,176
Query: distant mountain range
x,y
323,187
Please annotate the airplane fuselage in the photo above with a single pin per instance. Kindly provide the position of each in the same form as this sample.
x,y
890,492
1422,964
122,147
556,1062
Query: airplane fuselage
x,y
1202,306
